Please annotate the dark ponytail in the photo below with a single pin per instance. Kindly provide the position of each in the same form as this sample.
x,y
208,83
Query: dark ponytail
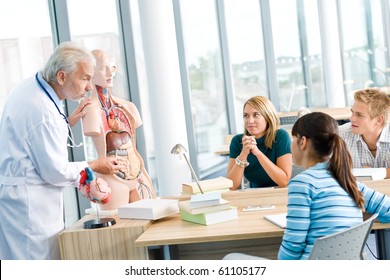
x,y
322,130
340,165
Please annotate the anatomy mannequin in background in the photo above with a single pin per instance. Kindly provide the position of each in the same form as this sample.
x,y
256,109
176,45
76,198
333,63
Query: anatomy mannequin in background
x,y
111,122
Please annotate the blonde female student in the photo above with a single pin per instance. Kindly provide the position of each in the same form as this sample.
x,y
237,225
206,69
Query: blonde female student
x,y
325,198
262,153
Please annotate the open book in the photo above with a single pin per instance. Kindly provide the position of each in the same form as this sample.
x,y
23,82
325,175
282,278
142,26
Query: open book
x,y
277,219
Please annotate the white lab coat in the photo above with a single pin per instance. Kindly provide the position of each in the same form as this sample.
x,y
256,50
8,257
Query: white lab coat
x,y
34,169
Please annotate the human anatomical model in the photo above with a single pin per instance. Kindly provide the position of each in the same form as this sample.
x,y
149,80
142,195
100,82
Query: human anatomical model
x,y
111,122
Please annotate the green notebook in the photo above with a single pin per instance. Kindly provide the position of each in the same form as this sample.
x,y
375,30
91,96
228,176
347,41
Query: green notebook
x,y
210,218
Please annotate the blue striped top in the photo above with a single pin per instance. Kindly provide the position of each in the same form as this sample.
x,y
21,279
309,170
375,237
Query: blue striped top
x,y
318,206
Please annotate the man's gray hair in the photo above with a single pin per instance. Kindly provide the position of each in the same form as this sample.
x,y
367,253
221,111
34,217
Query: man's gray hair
x,y
65,58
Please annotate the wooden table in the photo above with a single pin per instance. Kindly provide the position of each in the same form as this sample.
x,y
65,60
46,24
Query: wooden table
x,y
134,239
172,230
338,114
250,233
114,242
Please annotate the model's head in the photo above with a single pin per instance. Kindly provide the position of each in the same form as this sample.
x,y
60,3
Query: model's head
x,y
69,71
105,69
375,102
260,119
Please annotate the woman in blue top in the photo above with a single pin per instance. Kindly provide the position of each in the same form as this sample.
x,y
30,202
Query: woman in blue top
x,y
325,198
262,153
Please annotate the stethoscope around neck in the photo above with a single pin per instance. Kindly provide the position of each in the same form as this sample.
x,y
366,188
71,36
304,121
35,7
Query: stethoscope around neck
x,y
70,135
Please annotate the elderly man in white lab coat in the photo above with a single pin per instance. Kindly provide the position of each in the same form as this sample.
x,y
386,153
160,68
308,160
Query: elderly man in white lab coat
x,y
34,166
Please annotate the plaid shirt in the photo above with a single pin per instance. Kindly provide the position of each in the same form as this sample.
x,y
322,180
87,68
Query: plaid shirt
x,y
361,155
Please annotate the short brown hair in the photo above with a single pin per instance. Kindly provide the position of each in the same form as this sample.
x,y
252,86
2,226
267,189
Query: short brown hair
x,y
378,102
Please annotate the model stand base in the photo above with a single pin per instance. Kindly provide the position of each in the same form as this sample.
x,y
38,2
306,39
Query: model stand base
x,y
99,223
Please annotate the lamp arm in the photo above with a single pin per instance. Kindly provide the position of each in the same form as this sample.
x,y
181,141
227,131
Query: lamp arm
x,y
193,173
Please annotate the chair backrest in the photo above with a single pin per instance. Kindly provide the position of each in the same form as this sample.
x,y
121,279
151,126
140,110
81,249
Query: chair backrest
x,y
345,245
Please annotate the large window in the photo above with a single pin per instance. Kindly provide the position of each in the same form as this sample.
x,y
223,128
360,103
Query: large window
x,y
207,86
290,75
25,42
246,52
380,52
101,32
311,53
356,54
97,29
297,46
140,72
364,53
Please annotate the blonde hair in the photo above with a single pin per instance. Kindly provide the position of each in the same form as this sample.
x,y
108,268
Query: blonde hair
x,y
378,102
268,111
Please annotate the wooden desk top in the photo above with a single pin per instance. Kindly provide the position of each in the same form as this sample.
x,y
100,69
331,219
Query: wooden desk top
x,y
343,113
223,150
250,225
120,223
173,230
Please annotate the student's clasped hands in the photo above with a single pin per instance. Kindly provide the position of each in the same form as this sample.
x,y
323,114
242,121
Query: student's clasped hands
x,y
249,144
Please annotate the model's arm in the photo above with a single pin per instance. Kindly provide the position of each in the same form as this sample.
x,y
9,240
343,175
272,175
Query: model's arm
x,y
79,112
92,119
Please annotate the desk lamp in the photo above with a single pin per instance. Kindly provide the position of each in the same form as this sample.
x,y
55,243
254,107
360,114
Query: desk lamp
x,y
179,149
212,198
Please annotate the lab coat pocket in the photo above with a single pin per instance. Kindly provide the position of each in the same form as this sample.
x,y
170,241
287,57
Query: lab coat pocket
x,y
45,205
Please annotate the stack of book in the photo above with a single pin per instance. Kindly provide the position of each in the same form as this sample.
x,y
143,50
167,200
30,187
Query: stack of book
x,y
149,209
207,209
219,184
